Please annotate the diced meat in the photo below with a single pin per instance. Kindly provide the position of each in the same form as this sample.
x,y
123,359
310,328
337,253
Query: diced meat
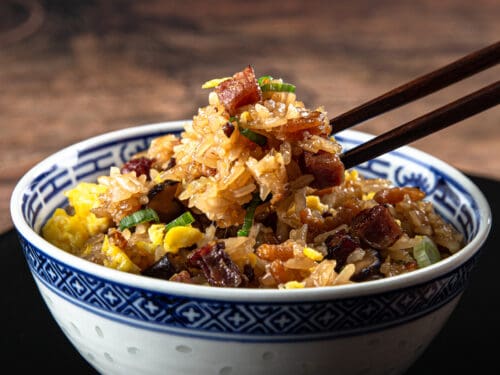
x,y
140,166
327,169
376,227
397,194
116,238
182,277
217,266
238,91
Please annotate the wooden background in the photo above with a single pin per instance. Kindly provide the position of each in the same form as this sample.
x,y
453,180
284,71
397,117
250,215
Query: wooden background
x,y
73,69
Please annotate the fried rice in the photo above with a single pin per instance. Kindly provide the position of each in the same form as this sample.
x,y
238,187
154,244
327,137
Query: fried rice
x,y
251,194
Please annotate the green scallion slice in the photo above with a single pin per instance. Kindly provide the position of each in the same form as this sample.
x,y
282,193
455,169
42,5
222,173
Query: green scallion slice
x,y
248,221
138,217
260,139
264,79
185,219
280,87
426,252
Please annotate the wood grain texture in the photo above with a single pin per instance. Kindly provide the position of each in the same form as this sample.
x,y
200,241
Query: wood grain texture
x,y
89,67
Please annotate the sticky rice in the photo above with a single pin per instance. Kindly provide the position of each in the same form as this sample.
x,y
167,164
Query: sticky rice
x,y
252,194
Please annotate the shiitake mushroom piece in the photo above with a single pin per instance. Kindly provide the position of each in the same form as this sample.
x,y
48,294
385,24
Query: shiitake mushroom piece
x,y
162,198
368,267
163,268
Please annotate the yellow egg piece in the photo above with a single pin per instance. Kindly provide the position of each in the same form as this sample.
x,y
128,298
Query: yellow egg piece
x,y
314,203
116,258
351,175
85,196
156,233
368,196
294,285
181,236
312,254
65,231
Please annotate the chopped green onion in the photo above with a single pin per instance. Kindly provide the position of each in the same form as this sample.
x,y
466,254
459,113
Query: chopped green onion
x,y
233,118
185,219
138,217
260,139
281,87
426,252
264,79
248,221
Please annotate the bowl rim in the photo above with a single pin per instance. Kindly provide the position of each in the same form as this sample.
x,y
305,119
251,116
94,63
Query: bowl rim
x,y
420,276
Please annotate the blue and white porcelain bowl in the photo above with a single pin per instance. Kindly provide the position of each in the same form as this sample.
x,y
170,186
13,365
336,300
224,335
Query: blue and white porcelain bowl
x,y
128,324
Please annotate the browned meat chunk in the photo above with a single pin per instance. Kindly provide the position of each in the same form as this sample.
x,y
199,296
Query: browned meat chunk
x,y
182,277
140,166
217,266
327,169
376,227
238,91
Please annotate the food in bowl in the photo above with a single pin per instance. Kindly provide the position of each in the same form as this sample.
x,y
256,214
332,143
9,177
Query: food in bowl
x,y
252,194
125,323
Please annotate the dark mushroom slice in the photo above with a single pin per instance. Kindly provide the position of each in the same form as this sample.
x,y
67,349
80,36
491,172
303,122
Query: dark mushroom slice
x,y
368,268
162,198
227,232
339,246
163,268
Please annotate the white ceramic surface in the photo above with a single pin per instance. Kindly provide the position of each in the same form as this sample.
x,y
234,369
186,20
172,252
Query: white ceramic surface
x,y
125,324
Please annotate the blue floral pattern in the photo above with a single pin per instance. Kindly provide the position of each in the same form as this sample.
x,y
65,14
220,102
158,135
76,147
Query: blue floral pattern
x,y
244,321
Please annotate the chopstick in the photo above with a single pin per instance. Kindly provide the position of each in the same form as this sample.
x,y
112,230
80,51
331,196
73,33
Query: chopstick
x,y
438,119
424,85
431,122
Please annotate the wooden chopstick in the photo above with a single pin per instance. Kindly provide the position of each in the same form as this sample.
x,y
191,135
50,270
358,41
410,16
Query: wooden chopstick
x,y
420,87
438,119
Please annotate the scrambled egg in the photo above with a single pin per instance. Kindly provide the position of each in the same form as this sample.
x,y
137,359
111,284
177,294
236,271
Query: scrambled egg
x,y
69,232
179,237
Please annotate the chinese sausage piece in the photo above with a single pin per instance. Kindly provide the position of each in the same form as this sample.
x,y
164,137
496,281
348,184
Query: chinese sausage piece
x,y
240,90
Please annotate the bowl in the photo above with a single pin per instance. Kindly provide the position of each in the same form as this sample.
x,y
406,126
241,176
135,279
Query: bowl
x,y
129,324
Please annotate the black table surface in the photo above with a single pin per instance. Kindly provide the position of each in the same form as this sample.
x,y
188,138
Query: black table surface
x,y
32,341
